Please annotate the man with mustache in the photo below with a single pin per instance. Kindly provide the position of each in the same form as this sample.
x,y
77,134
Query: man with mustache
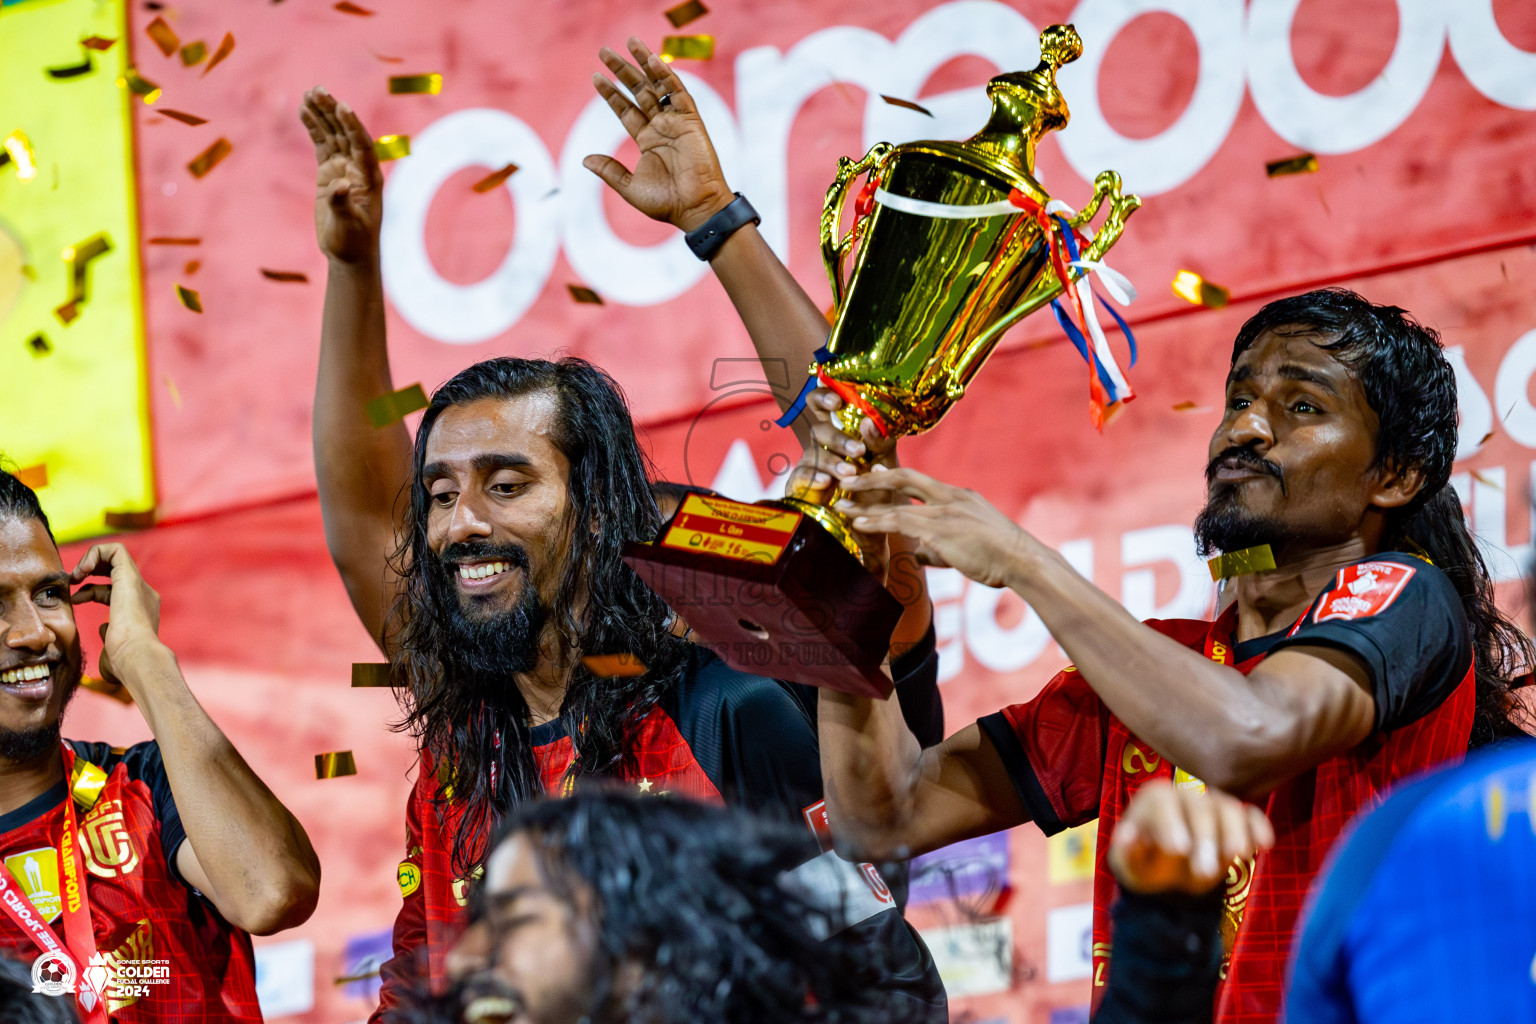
x,y
1371,650
501,571
117,861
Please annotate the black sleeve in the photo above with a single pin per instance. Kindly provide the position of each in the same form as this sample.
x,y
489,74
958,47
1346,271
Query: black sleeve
x,y
142,761
1404,620
1167,958
916,674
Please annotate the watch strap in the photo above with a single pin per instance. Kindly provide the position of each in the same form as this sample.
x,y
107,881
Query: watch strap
x,y
706,239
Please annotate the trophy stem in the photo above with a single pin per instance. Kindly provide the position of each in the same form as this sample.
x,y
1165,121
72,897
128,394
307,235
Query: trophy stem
x,y
814,505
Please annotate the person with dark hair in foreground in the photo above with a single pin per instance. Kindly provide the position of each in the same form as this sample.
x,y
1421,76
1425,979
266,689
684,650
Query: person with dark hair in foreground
x,y
1371,651
115,860
501,571
608,907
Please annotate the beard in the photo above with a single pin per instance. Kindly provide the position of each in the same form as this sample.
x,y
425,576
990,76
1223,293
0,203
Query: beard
x,y
481,644
1225,523
19,745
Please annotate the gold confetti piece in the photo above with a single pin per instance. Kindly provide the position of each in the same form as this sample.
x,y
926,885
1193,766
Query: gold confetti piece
x,y
192,267
1185,407
79,257
182,116
1487,481
430,84
683,13
190,299
350,8
39,345
1486,438
346,979
396,406
334,766
687,48
35,477
209,158
139,85
117,691
285,275
85,67
68,313
495,178
906,104
163,35
170,385
1240,563
193,53
168,240
371,674
613,666
1302,163
129,520
388,60
97,43
1191,287
19,149
392,147
226,47
583,294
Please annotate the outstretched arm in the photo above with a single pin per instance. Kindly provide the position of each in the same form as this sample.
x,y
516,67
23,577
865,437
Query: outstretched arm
x,y
244,850
1243,734
678,179
361,471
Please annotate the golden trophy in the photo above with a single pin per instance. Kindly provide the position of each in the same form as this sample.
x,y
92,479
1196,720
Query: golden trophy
x,y
954,243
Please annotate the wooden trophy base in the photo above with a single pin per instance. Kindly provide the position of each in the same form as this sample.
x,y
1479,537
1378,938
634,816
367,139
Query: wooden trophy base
x,y
772,593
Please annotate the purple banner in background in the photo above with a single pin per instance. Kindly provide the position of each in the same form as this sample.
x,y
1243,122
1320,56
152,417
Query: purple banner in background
x,y
969,868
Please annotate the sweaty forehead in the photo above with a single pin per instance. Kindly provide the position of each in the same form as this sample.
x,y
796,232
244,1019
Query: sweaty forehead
x,y
1290,346
27,554
524,425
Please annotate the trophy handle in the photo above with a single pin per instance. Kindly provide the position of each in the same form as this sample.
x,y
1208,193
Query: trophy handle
x,y
1107,186
834,250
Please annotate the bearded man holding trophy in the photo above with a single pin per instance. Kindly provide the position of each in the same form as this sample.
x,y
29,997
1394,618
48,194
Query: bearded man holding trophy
x,y
1360,646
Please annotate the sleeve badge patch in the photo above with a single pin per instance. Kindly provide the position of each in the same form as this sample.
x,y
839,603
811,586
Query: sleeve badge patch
x,y
1363,590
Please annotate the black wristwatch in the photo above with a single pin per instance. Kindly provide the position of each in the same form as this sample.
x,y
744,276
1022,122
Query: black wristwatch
x,y
707,238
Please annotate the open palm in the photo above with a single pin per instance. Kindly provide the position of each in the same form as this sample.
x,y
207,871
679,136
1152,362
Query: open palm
x,y
348,183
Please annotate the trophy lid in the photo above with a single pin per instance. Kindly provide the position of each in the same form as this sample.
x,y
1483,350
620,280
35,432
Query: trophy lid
x,y
1027,104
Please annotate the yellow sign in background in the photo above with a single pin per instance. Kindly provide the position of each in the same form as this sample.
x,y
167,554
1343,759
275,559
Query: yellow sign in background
x,y
82,408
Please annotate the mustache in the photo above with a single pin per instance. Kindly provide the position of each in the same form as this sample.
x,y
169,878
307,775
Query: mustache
x,y
485,986
481,551
1245,458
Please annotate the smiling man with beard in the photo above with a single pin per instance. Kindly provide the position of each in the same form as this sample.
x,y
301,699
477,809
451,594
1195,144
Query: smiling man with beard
x,y
164,853
1371,650
500,571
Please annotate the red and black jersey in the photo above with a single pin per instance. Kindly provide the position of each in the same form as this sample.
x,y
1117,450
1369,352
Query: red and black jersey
x,y
719,736
1073,761
141,908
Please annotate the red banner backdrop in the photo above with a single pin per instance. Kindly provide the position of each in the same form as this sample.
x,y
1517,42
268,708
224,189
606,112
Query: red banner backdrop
x,y
1424,196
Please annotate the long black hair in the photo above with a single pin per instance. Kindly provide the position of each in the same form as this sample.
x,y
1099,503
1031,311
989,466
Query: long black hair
x,y
692,909
1411,387
475,732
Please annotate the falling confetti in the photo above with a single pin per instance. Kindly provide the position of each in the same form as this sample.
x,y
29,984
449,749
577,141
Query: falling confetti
x,y
491,181
1193,288
396,406
1486,438
182,116
388,60
129,520
429,84
166,240
35,477
293,276
683,13
209,158
79,257
687,48
350,8
139,85
335,765
1302,163
1186,407
392,147
613,666
189,298
39,345
192,267
97,43
170,385
117,691
906,104
371,674
193,53
163,35
582,293
225,49
18,150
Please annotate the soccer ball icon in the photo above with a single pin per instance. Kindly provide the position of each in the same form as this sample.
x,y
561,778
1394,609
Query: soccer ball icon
x,y
53,974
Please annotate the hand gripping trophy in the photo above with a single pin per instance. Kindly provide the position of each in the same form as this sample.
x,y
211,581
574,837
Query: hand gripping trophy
x,y
952,244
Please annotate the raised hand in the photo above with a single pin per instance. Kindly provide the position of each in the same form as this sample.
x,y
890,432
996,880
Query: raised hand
x,y
349,187
1182,840
677,178
133,625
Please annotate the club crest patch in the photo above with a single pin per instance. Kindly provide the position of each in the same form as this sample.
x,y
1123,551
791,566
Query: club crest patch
x,y
1363,590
